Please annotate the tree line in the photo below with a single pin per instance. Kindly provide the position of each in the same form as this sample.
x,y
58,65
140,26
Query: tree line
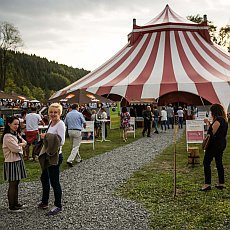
x,y
30,75
37,77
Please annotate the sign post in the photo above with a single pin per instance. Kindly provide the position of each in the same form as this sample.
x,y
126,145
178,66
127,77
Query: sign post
x,y
88,133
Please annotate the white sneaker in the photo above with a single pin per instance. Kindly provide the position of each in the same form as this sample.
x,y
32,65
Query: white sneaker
x,y
15,210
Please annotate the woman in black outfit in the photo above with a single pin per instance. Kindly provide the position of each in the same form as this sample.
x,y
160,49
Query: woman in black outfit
x,y
218,131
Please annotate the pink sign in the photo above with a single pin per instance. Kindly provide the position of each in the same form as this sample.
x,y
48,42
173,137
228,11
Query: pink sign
x,y
195,135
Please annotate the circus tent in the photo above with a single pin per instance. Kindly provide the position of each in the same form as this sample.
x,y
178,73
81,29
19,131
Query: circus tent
x,y
169,59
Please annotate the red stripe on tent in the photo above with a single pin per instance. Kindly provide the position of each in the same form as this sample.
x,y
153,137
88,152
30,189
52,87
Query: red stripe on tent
x,y
202,61
174,15
129,68
114,67
221,53
212,55
158,17
204,88
166,17
168,82
134,89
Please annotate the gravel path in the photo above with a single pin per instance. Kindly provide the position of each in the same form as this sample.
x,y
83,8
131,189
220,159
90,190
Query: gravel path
x,y
88,187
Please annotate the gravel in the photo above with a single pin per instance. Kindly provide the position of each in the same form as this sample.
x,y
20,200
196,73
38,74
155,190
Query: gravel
x,y
88,188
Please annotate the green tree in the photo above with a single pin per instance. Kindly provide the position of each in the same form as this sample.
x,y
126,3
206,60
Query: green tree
x,y
224,37
10,39
26,91
211,27
38,93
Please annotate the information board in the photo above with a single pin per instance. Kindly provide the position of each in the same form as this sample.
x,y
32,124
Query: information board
x,y
87,133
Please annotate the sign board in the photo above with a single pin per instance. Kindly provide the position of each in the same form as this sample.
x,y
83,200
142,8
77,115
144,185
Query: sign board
x,y
132,128
87,133
194,131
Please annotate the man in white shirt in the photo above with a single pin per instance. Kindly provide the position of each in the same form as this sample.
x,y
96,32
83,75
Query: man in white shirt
x,y
32,122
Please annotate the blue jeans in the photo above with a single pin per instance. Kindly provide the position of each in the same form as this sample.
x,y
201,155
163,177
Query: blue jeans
x,y
156,124
180,122
51,176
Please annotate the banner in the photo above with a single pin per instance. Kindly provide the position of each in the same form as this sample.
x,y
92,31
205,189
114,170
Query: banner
x,y
114,112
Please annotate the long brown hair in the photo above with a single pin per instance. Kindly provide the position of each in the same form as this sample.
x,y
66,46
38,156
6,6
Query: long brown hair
x,y
217,110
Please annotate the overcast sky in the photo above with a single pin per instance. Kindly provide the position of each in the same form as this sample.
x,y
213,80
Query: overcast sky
x,y
86,33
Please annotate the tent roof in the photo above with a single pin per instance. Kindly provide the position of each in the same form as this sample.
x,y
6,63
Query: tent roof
x,y
167,15
79,96
166,55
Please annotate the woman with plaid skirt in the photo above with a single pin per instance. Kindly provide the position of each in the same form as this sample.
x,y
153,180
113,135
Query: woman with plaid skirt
x,y
14,167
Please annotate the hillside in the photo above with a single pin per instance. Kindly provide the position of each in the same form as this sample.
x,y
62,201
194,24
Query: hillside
x,y
37,77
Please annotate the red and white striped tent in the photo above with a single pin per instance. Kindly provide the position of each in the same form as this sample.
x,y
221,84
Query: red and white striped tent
x,y
169,59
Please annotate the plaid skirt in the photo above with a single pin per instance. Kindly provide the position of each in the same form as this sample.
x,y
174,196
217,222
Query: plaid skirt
x,y
14,170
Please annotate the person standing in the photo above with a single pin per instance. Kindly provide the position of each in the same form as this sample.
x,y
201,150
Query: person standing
x,y
163,119
125,122
32,122
51,170
170,116
96,122
156,119
75,121
218,132
104,116
180,113
147,115
14,167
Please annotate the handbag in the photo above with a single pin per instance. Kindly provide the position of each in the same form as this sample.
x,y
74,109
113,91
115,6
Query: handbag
x,y
38,146
206,142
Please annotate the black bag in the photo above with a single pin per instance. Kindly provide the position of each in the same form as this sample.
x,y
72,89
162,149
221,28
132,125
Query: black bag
x,y
206,142
37,148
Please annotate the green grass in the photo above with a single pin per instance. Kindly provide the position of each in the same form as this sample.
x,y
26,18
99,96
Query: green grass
x,y
153,186
86,152
190,208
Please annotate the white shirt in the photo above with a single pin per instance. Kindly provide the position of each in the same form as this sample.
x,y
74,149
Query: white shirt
x,y
163,115
59,129
180,113
32,121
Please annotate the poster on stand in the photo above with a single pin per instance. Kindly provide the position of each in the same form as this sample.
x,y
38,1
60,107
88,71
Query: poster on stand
x,y
194,131
132,128
87,133
114,112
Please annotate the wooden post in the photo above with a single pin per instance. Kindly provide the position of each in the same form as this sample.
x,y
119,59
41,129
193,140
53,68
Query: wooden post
x,y
175,139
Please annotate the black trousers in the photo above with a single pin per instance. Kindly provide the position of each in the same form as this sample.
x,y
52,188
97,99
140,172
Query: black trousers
x,y
147,127
211,153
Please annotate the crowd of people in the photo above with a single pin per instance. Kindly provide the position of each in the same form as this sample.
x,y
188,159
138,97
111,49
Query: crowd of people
x,y
20,133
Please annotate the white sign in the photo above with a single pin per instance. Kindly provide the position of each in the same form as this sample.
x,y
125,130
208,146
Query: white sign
x,y
194,131
87,133
132,127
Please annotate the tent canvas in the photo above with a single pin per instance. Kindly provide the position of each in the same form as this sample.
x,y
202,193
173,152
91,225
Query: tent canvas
x,y
166,56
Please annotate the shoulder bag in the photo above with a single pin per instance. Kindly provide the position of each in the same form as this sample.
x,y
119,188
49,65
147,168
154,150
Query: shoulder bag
x,y
38,146
206,142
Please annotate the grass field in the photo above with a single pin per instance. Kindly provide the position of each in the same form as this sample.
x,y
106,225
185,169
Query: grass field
x,y
190,209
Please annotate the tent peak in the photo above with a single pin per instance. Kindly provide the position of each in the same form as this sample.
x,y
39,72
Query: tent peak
x,y
167,15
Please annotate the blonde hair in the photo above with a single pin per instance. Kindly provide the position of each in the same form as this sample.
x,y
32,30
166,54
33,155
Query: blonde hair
x,y
56,106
